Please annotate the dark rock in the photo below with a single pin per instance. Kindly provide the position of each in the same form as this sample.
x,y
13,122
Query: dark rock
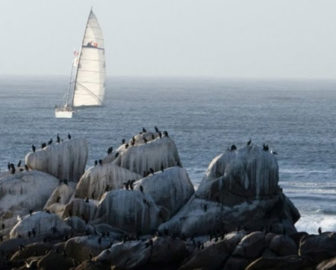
x,y
292,262
53,260
283,245
251,246
318,247
236,263
327,265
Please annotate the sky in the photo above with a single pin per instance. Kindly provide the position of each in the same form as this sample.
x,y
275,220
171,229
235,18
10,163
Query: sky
x,y
174,38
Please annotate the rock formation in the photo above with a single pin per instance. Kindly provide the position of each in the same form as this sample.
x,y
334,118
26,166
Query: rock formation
x,y
66,160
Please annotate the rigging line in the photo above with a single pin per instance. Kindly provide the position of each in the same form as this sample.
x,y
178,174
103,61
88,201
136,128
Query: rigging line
x,y
87,89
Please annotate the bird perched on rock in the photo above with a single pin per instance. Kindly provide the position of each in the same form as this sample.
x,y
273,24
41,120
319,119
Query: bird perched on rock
x,y
233,147
33,148
144,138
319,230
19,164
156,129
144,130
95,162
116,155
109,150
50,141
249,142
69,136
151,170
265,147
153,137
160,134
100,162
126,145
58,139
141,189
162,168
165,133
43,145
12,168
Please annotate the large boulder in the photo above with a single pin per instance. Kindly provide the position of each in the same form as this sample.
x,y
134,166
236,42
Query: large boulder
x,y
240,189
65,160
156,154
292,262
128,255
83,247
39,224
170,189
282,245
318,247
250,246
236,176
99,179
129,210
85,209
23,192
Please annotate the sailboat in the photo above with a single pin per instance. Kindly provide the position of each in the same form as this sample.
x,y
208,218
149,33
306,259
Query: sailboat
x,y
87,82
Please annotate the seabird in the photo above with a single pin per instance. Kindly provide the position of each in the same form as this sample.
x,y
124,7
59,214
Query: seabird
x,y
249,142
125,186
156,129
126,145
160,134
100,162
96,163
69,136
162,168
144,138
50,141
12,168
151,170
319,230
33,148
165,133
144,130
30,212
116,154
109,150
58,139
19,164
141,188
233,147
265,147
43,145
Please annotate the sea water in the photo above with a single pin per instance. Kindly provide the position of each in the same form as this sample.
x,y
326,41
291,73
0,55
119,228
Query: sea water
x,y
204,116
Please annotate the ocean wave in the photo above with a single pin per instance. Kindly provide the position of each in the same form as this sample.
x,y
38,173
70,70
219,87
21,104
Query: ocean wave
x,y
311,223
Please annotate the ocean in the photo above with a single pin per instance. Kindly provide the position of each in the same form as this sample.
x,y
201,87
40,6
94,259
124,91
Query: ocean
x,y
204,116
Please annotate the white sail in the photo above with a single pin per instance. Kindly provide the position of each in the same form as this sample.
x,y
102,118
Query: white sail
x,y
89,86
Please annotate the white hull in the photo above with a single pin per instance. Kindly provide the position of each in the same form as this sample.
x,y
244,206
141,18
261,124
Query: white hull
x,y
63,114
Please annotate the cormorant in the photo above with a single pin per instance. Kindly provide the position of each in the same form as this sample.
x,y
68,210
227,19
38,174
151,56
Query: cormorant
x,y
30,212
43,145
162,168
131,184
12,168
141,189
50,141
58,139
233,147
165,133
144,130
319,230
153,137
144,138
160,134
249,142
33,148
125,186
96,163
265,147
151,170
69,136
156,129
19,164
100,162
109,150
133,142
126,145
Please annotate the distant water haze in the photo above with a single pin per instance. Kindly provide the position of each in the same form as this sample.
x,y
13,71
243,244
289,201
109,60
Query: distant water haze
x,y
216,38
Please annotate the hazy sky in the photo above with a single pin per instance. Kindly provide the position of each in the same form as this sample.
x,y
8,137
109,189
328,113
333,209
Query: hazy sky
x,y
221,38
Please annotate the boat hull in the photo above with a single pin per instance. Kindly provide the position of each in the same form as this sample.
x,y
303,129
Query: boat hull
x,y
63,114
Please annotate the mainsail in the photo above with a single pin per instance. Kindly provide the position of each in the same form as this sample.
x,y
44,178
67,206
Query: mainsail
x,y
89,85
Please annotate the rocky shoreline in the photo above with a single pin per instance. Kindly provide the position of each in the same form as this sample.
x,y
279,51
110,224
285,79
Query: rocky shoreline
x,y
136,208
